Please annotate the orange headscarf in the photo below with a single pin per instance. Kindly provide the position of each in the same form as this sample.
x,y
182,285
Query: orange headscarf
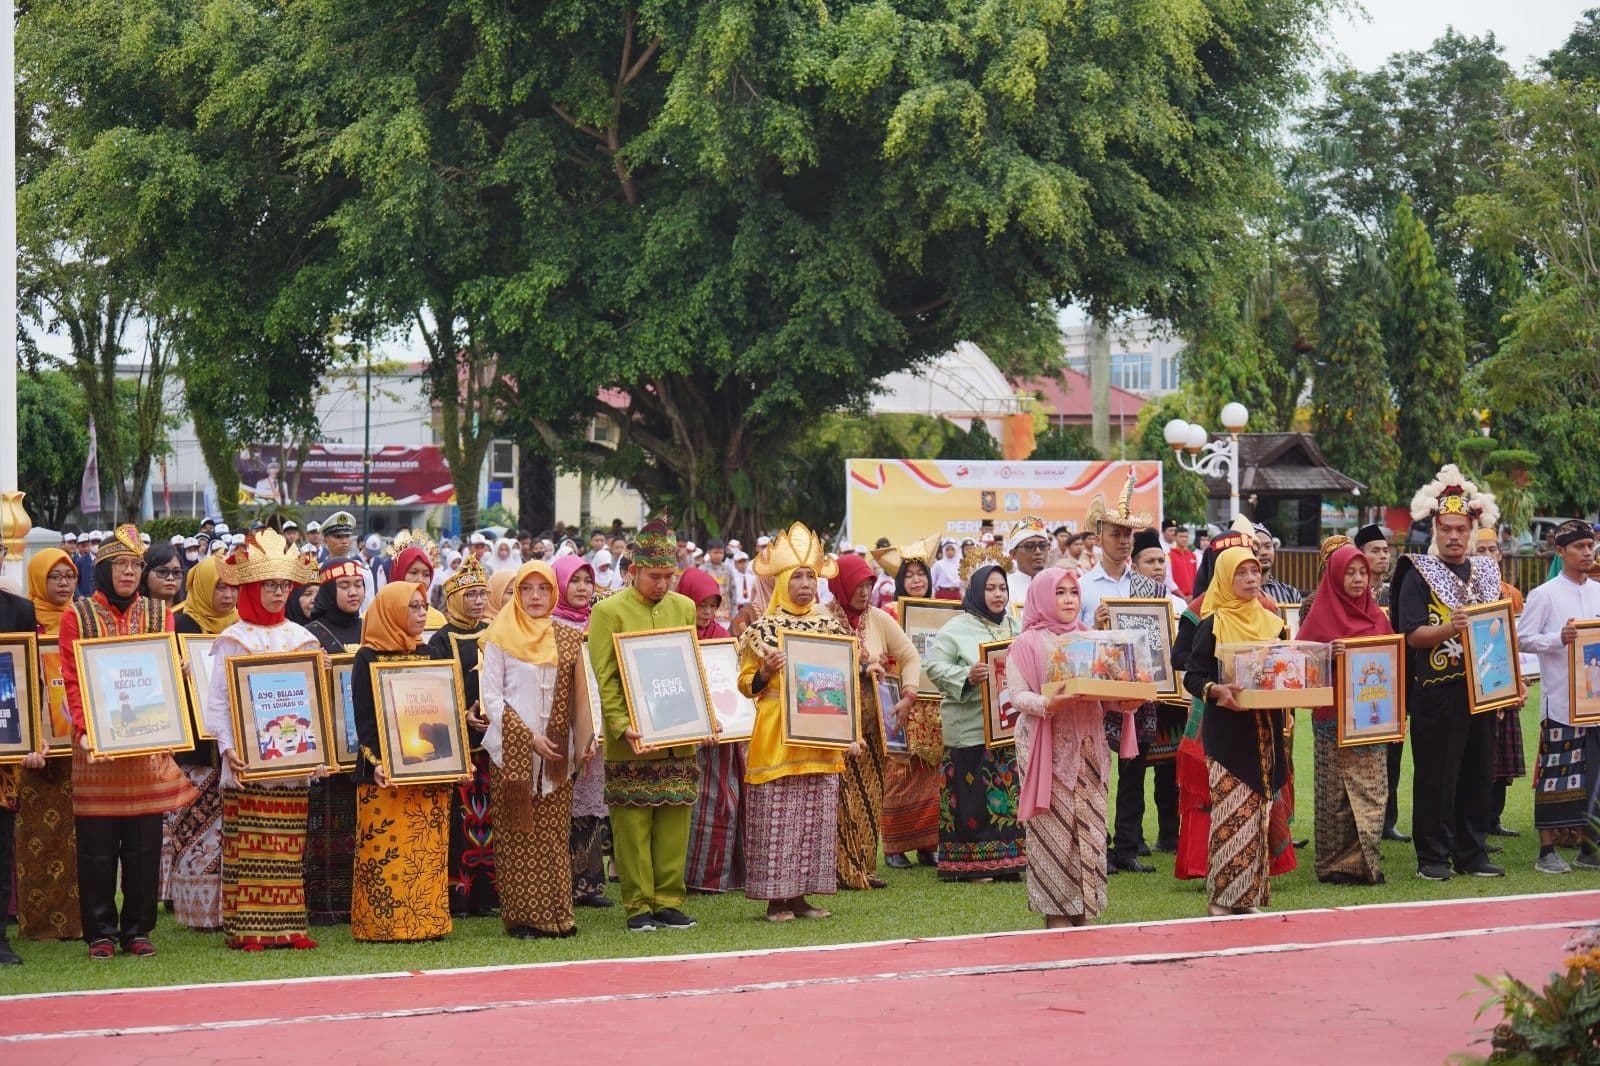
x,y
385,626
47,614
518,633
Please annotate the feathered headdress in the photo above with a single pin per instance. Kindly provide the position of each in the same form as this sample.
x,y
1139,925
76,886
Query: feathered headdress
x,y
1451,493
1123,514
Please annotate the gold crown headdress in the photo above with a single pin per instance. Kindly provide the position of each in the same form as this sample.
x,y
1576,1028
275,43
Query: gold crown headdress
x,y
983,555
795,546
124,540
266,556
421,542
1123,514
469,574
921,551
1451,493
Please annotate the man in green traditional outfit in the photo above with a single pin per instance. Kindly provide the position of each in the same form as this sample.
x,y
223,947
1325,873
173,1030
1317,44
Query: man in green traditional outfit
x,y
651,794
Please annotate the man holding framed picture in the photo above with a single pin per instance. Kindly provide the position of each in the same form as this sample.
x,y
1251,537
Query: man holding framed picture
x,y
650,793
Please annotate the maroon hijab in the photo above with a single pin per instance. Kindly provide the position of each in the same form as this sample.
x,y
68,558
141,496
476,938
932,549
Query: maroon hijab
x,y
1335,615
853,570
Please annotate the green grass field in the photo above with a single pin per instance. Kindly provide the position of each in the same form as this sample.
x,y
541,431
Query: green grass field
x,y
915,905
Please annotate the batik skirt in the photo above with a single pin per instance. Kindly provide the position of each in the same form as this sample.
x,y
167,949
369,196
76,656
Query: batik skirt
x,y
1352,786
47,854
910,805
194,832
1194,810
533,869
402,879
1566,792
472,844
861,799
263,874
716,829
1240,856
979,835
330,849
1067,844
790,843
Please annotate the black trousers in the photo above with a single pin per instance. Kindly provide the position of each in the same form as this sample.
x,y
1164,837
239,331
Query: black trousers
x,y
8,854
1128,831
104,844
1452,762
1391,811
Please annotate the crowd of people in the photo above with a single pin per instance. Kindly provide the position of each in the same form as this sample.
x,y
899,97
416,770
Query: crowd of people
x,y
562,797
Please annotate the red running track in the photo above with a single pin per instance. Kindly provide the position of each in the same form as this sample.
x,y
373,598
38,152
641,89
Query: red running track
x,y
1371,985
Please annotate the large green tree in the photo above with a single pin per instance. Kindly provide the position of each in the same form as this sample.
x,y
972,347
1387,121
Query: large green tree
x,y
1352,402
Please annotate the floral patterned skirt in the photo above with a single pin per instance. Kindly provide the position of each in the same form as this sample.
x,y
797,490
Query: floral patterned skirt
x,y
979,835
402,879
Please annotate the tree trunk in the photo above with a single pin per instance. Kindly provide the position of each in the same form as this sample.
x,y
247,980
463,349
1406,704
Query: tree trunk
x,y
536,488
1100,386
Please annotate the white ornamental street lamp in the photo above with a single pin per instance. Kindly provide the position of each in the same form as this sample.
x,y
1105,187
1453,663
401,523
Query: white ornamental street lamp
x,y
1216,458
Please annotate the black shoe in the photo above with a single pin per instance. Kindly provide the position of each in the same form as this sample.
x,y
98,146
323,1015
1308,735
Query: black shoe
x,y
1498,830
1301,845
1484,868
642,923
7,956
1144,850
1166,847
1434,871
897,861
928,857
673,918
1492,848
1132,865
1391,833
527,932
594,899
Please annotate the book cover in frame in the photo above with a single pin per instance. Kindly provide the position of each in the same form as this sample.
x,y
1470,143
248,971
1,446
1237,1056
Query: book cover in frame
x,y
422,720
1369,692
1494,672
277,702
197,676
1153,618
134,702
341,745
999,716
921,619
1583,676
664,687
736,712
55,727
821,700
19,696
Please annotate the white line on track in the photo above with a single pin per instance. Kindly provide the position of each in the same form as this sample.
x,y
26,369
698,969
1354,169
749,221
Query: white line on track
x,y
811,982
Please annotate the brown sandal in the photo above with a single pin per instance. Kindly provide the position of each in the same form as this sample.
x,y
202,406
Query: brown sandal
x,y
780,916
813,913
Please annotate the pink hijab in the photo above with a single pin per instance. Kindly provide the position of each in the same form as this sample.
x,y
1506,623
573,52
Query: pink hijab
x,y
565,567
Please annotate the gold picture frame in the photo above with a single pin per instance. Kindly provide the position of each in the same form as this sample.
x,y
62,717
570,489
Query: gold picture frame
x,y
999,716
921,619
197,676
421,708
342,745
55,720
1494,669
278,703
1583,673
1369,682
20,703
734,711
664,687
1153,617
821,689
111,671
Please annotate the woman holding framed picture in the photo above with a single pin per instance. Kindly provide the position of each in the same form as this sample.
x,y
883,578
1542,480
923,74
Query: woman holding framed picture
x,y
716,858
792,802
535,694
591,820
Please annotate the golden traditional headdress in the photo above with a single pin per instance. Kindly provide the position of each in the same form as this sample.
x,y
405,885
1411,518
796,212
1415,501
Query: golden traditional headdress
x,y
1123,514
407,539
468,574
1241,533
922,551
334,569
266,556
124,540
1451,493
795,546
983,555
1333,544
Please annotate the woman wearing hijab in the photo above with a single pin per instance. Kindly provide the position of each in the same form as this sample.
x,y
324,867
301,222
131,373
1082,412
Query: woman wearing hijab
x,y
1352,784
541,730
979,835
605,574
414,564
910,819
331,803
591,821
884,647
47,861
402,881
716,836
304,601
499,592
263,822
472,891
194,832
792,793
1064,763
1245,758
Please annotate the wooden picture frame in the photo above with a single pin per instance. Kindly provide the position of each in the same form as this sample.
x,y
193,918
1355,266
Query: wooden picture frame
x,y
278,705
664,687
895,740
921,619
821,689
1583,673
1494,671
20,703
734,711
55,721
1290,613
999,716
1153,617
1369,690
112,673
197,675
340,743
421,708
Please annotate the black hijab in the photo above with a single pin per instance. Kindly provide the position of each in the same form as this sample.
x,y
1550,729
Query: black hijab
x,y
103,584
972,599
327,615
293,612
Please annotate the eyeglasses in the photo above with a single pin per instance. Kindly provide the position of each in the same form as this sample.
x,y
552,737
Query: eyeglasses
x,y
1033,546
170,573
276,586
127,566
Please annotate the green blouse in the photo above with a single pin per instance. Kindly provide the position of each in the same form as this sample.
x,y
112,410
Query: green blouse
x,y
951,656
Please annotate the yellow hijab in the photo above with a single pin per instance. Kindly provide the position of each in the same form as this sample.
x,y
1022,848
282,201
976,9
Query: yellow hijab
x,y
1234,620
384,628
47,614
203,582
499,587
518,633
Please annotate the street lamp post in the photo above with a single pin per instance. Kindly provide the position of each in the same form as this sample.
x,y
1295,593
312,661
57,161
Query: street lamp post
x,y
1218,458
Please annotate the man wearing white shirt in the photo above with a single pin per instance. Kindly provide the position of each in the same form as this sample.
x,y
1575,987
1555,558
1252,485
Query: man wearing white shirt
x,y
1567,773
1028,544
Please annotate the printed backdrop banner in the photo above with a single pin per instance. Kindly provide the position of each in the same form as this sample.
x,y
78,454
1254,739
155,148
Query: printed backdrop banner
x,y
907,499
331,476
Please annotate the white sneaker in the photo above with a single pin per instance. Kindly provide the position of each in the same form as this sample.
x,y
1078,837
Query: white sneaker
x,y
1552,863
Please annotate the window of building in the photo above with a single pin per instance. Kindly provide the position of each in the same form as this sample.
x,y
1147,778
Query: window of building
x,y
502,459
1131,371
1171,372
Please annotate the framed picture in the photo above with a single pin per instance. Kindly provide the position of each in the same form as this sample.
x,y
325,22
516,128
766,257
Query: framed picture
x,y
1494,674
1153,617
339,741
277,702
1290,613
664,686
1369,691
1583,674
821,700
735,712
895,741
197,672
594,685
19,696
55,725
922,619
999,717
134,701
422,720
